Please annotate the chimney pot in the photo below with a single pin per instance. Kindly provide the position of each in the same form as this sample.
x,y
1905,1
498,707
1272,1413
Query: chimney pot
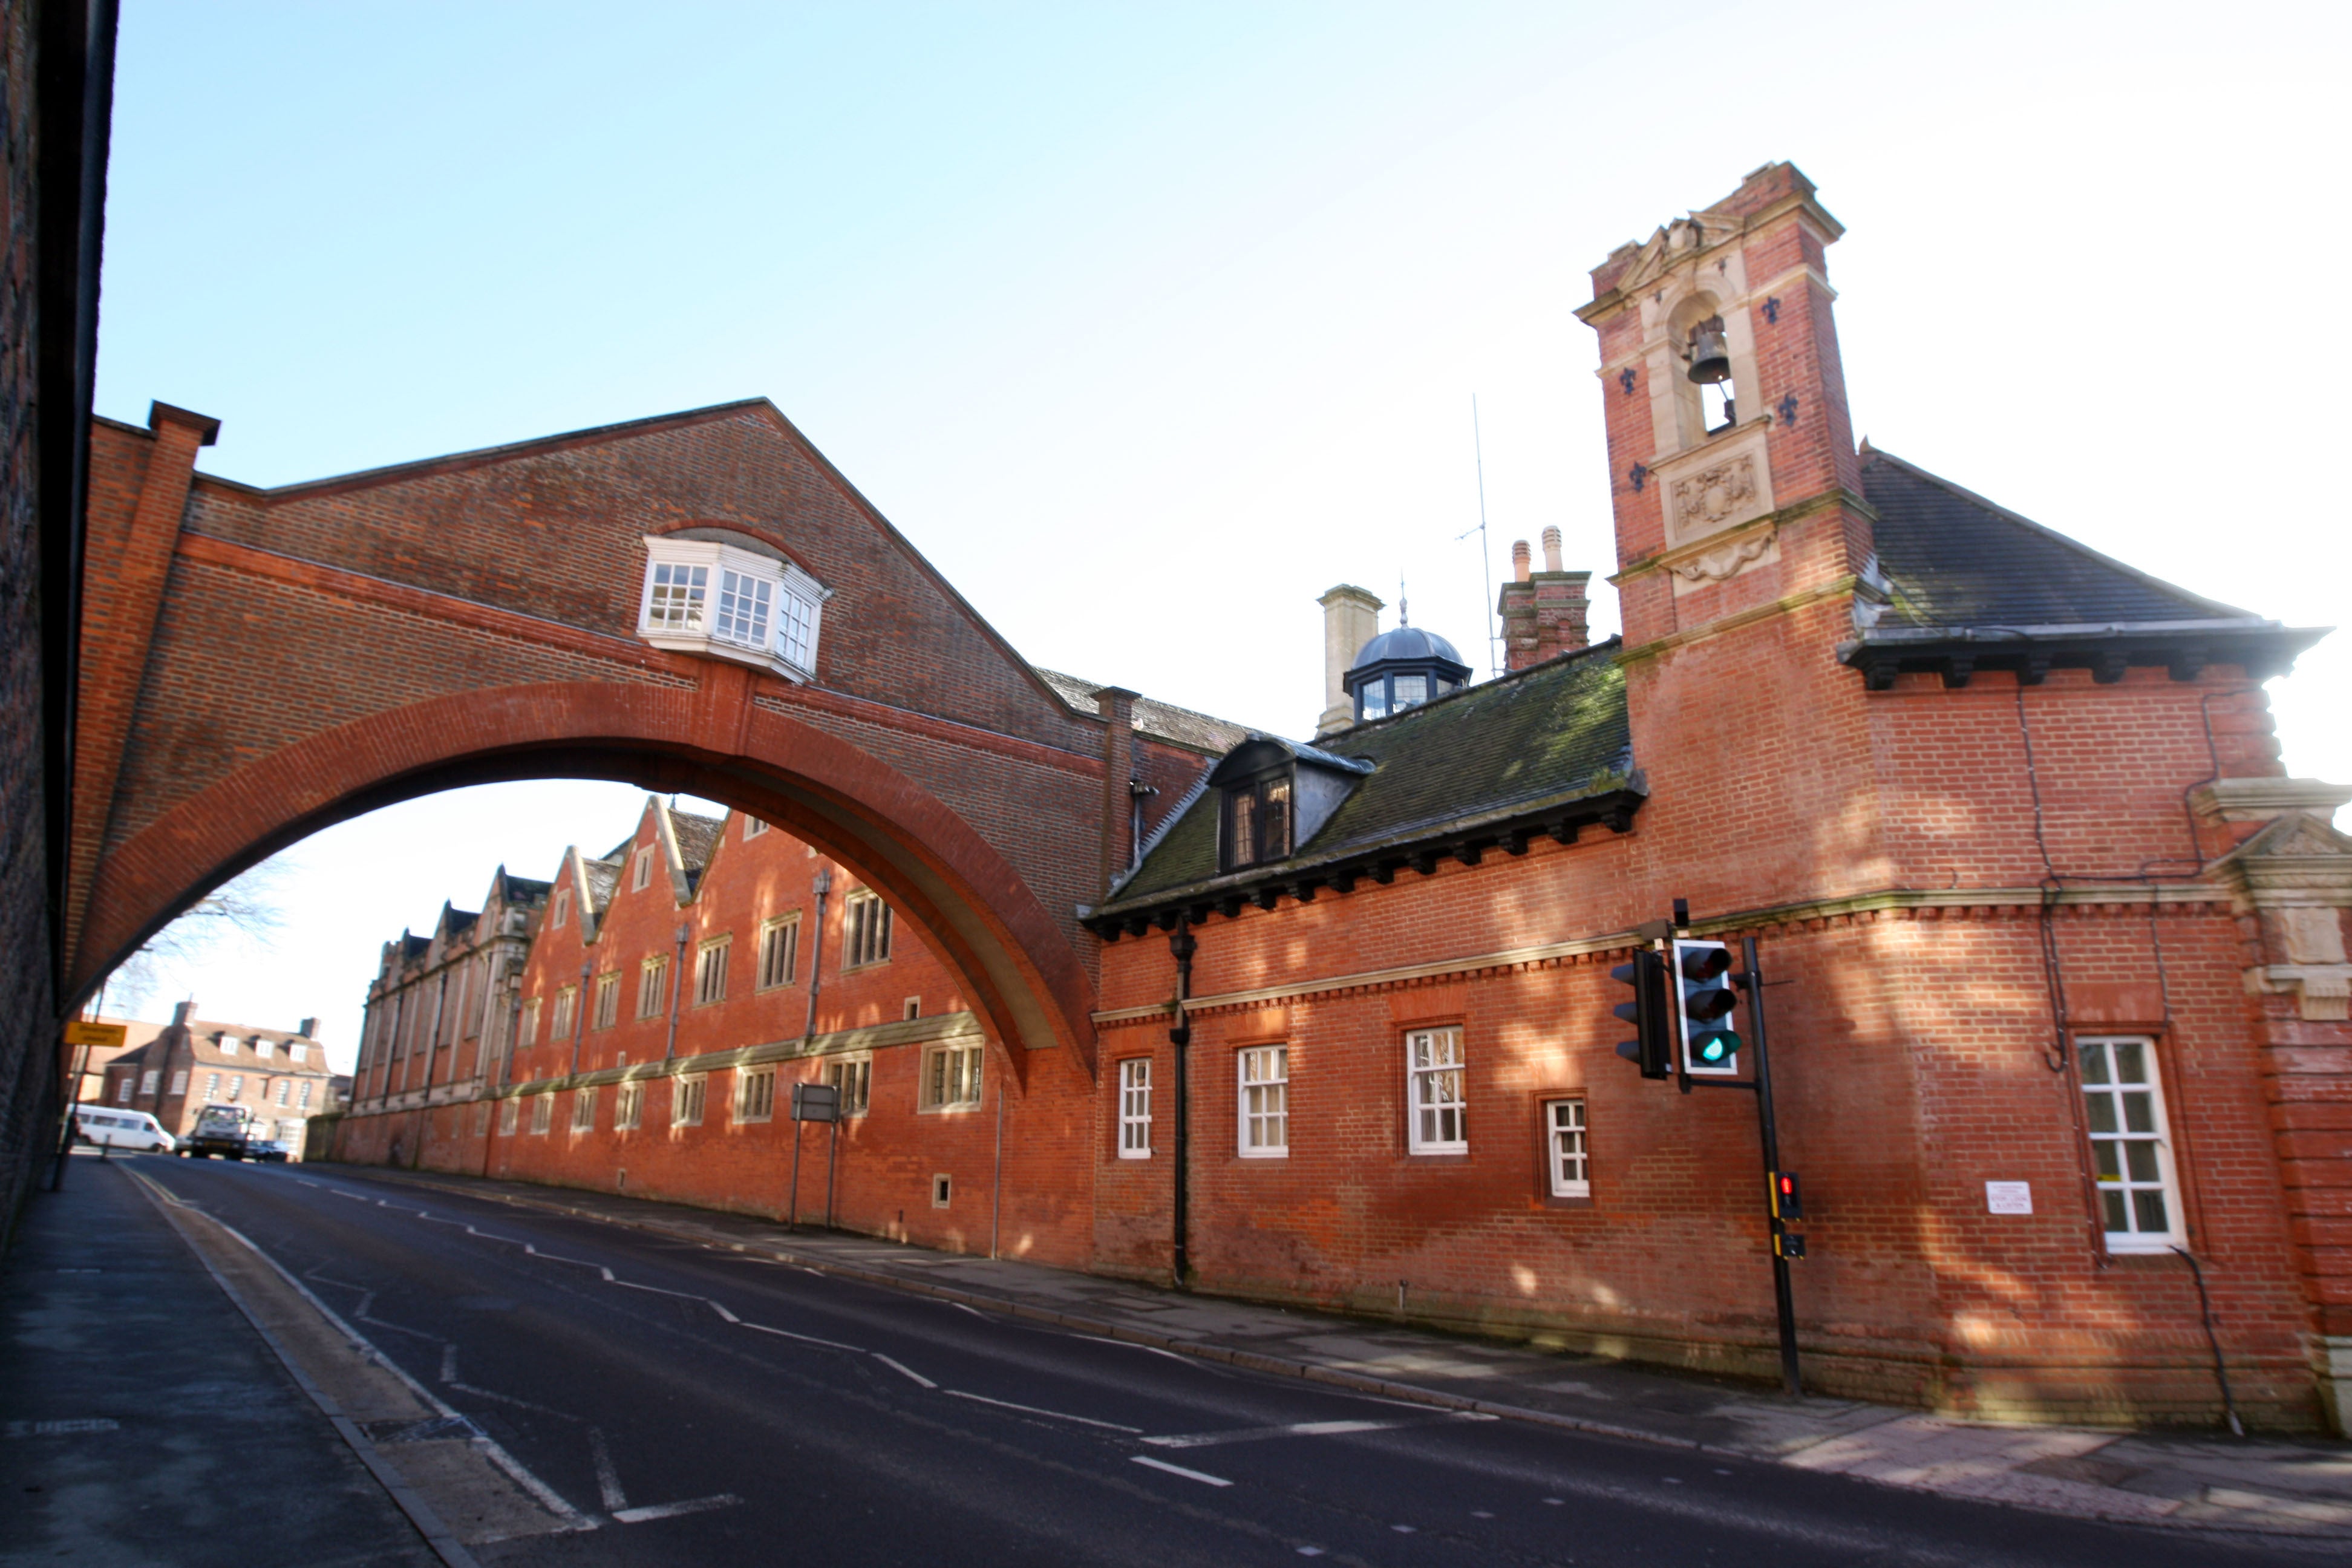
x,y
1551,550
1518,560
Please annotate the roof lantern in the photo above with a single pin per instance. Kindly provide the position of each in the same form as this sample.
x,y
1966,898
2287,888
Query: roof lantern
x,y
1404,668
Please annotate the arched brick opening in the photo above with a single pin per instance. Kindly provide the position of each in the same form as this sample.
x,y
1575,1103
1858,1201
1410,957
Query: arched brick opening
x,y
1026,980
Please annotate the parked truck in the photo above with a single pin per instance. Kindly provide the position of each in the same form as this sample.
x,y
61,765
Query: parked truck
x,y
222,1130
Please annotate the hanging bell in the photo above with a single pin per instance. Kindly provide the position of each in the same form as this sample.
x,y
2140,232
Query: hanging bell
x,y
1710,361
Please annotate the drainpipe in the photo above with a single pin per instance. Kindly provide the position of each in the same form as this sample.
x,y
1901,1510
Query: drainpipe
x,y
822,886
1183,944
580,1013
678,988
433,1039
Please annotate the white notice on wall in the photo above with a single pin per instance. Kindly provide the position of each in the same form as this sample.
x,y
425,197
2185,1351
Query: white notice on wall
x,y
2009,1197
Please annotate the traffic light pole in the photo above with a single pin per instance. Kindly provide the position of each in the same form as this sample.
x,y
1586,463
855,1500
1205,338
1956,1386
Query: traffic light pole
x,y
1784,1300
1784,1245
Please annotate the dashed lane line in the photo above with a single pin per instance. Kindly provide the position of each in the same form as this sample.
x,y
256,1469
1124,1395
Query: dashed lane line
x,y
1202,1476
1034,1410
672,1509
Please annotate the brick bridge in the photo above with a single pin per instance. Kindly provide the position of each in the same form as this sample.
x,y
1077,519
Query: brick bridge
x,y
261,663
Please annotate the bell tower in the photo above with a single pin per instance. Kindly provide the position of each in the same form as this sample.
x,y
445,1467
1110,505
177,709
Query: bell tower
x,y
1732,464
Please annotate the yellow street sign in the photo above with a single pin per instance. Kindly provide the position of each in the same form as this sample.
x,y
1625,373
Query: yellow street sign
x,y
79,1033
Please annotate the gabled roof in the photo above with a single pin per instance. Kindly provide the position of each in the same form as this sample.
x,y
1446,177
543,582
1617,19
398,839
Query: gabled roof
x,y
1160,720
1541,750
697,837
1970,584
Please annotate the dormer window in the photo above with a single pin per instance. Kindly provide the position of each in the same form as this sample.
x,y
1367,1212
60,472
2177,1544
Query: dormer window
x,y
725,594
1273,797
1257,821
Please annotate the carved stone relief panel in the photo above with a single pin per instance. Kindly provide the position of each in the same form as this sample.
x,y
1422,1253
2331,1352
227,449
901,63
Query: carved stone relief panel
x,y
1718,486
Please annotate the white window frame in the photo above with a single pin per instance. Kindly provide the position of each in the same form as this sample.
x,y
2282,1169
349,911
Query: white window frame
x,y
2129,1129
779,936
753,828
641,869
653,986
687,1095
854,1077
543,1113
710,970
149,1079
1135,1109
526,1028
303,1102
755,1095
866,927
583,1108
284,1088
608,1000
509,1109
212,1089
567,998
124,1088
180,1080
1262,1101
1432,1058
1565,1142
228,1045
628,1107
563,908
261,1048
940,1074
743,606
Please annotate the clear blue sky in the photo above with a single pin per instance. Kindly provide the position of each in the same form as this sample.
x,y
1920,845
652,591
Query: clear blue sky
x,y
1150,324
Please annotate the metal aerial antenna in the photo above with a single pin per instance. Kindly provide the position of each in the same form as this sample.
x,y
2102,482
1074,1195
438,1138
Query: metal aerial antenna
x,y
1485,557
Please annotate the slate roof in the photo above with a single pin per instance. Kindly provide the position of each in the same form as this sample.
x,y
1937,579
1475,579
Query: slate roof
x,y
524,889
1160,720
1549,744
697,837
1969,585
1957,559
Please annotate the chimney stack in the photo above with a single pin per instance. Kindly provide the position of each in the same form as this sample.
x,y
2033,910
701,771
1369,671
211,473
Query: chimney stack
x,y
179,1011
309,1029
1351,617
1543,612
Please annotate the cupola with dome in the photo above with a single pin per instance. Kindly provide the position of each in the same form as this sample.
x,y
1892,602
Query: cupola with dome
x,y
1402,668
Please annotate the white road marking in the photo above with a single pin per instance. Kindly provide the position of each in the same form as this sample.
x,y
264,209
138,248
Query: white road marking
x,y
672,1509
806,1339
975,1312
1202,1476
1259,1434
60,1428
1310,1551
1033,1410
449,1363
1404,1529
720,1310
608,1475
903,1371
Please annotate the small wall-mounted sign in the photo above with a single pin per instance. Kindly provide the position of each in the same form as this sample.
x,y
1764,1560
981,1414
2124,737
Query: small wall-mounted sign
x,y
2009,1197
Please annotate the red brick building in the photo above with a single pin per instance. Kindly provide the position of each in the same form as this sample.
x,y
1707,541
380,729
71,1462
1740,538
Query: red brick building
x,y
280,1075
2057,956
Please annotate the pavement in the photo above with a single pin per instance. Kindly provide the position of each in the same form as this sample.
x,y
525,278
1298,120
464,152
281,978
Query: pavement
x,y
143,1421
2277,1485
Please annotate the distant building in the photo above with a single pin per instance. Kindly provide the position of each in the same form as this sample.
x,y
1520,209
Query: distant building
x,y
280,1075
93,1060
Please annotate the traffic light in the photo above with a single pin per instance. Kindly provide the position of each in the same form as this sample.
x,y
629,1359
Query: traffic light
x,y
1651,1048
1704,1003
1788,1202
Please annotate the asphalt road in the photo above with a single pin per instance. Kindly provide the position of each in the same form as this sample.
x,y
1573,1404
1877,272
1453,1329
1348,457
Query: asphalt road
x,y
694,1404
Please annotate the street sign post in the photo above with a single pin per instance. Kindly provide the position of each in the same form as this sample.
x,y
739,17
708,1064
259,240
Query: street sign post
x,y
814,1102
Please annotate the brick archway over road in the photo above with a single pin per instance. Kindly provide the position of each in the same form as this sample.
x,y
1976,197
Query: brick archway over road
x,y
260,663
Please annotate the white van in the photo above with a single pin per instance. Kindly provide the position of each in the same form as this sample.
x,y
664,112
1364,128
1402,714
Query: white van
x,y
122,1129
